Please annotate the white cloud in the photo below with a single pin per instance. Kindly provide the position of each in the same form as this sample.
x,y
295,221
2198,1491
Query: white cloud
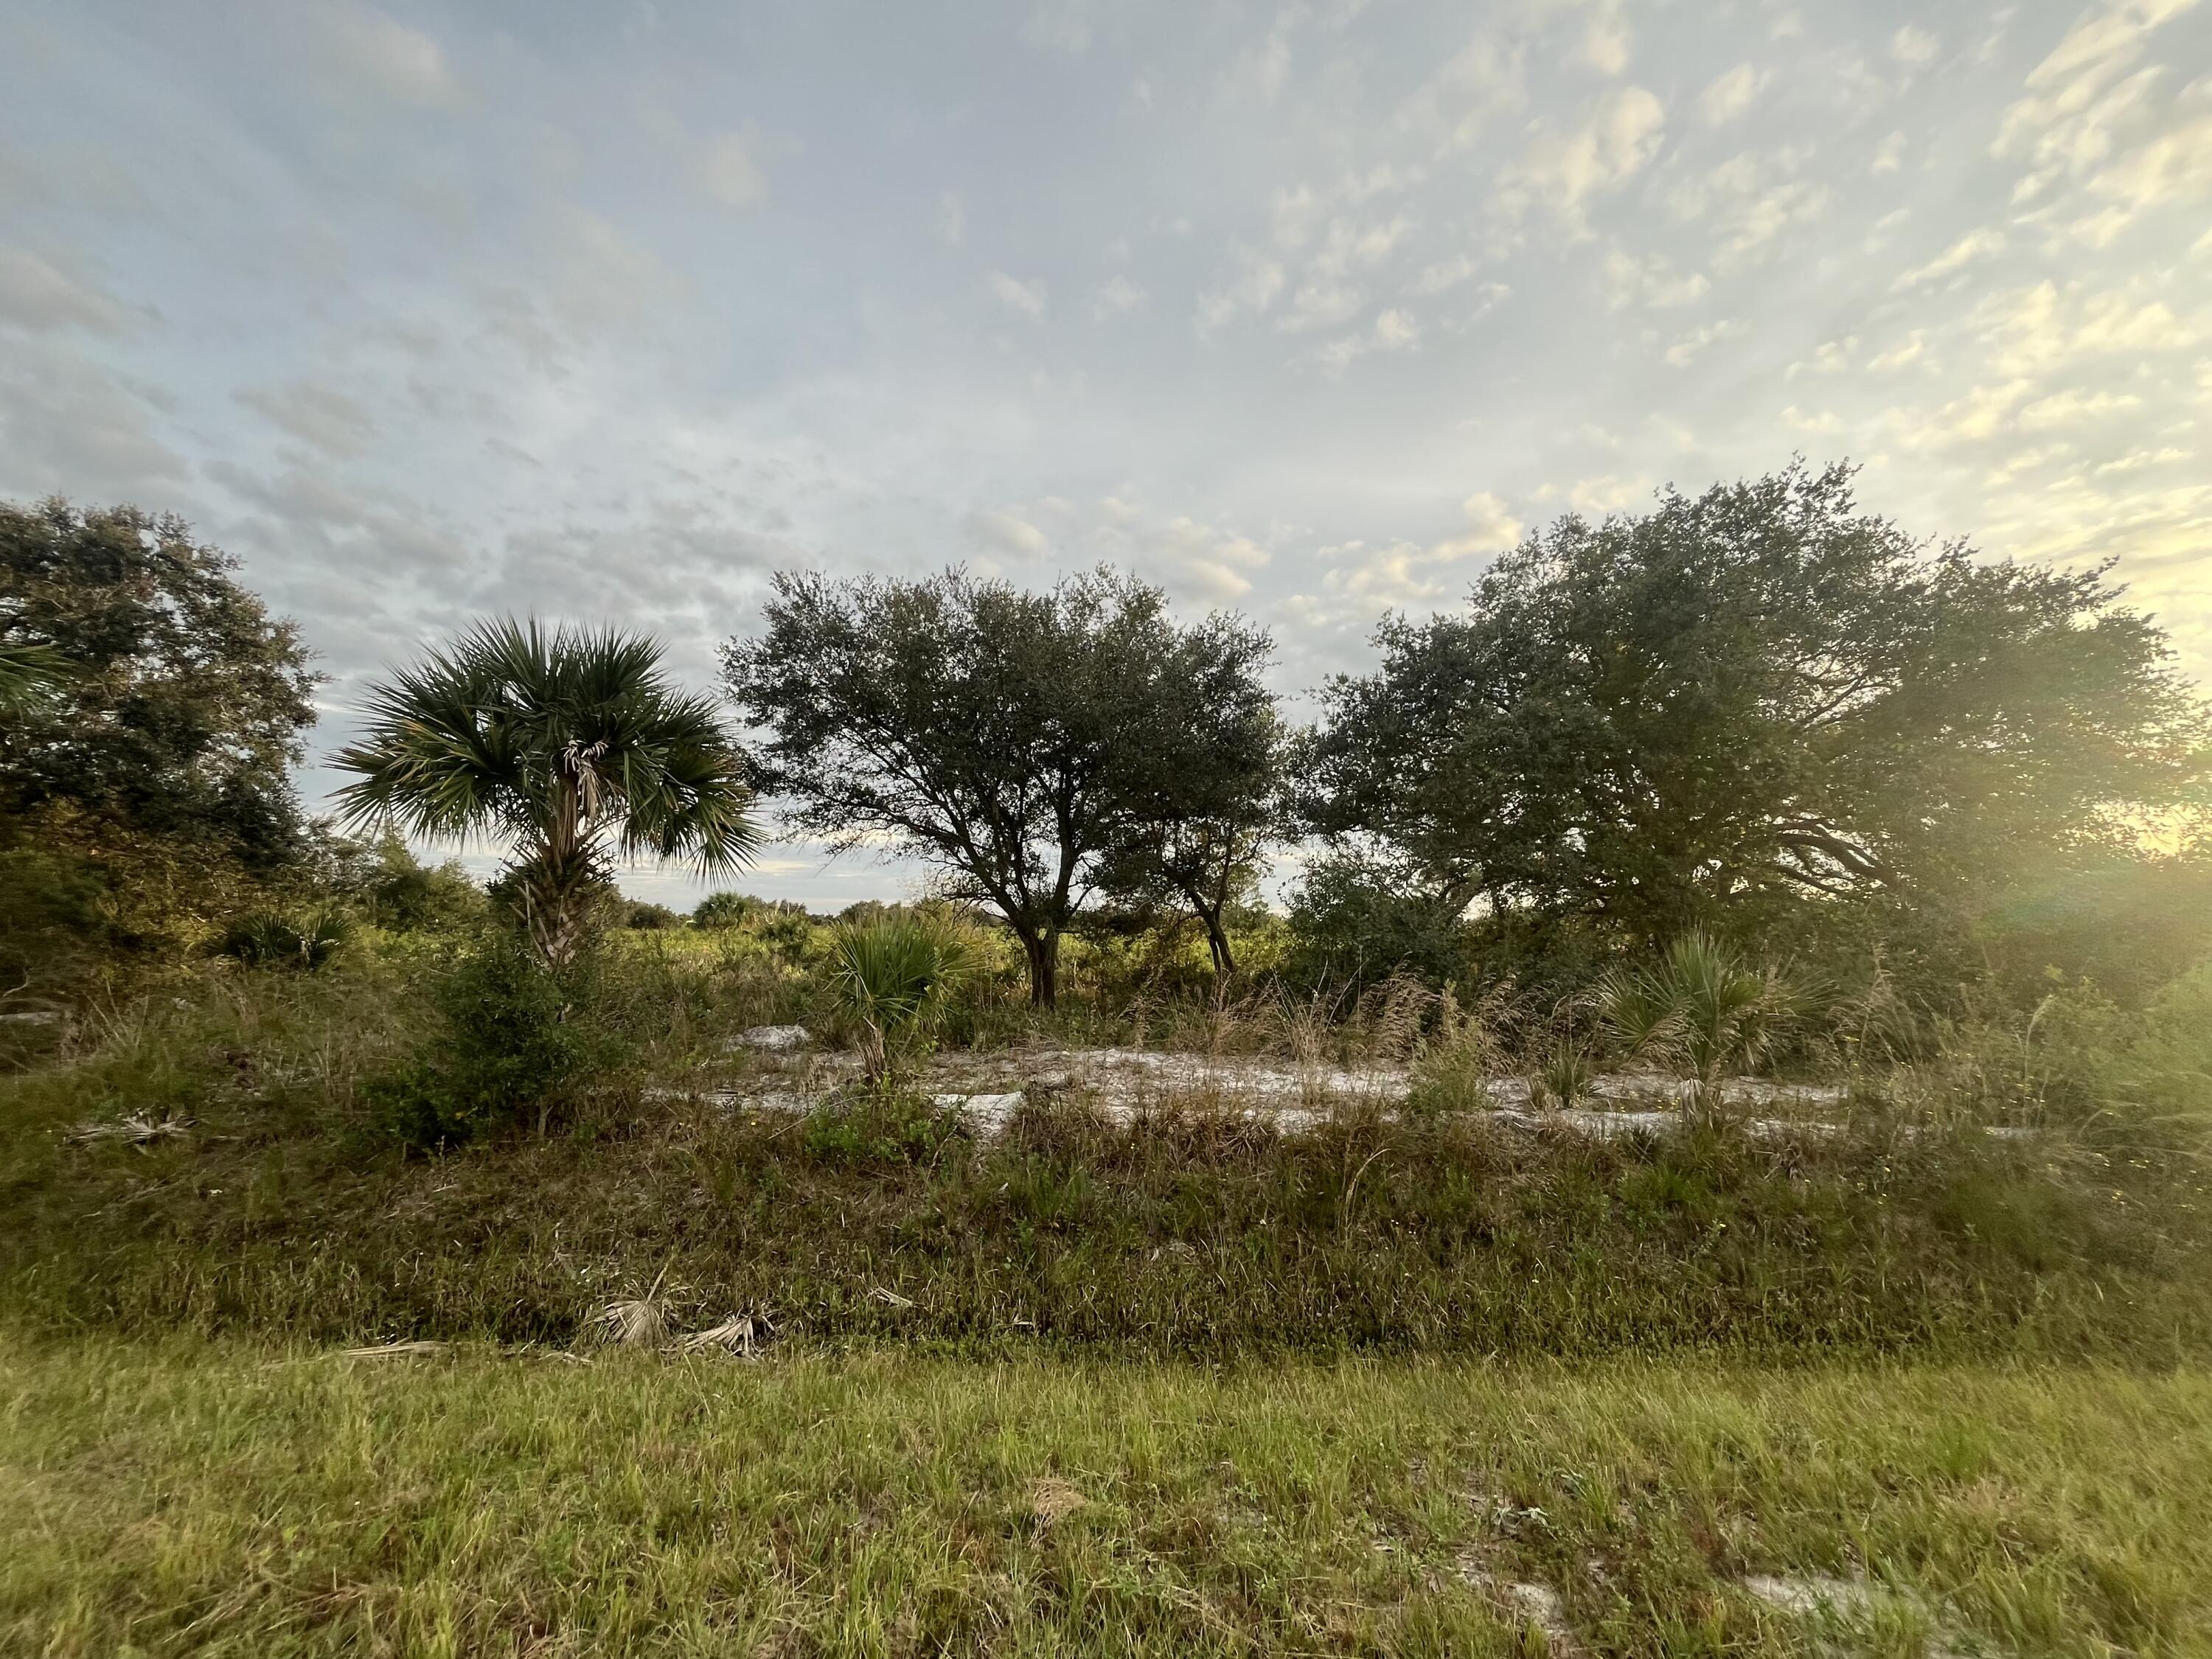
x,y
1116,295
407,65
952,226
1484,80
1362,577
1729,95
1829,357
338,425
1605,44
1650,281
1392,331
1320,305
1008,531
1260,71
1216,565
1396,330
1824,425
1490,528
1617,136
37,295
2091,119
1905,352
1599,498
1889,156
731,172
1752,199
2036,329
1026,298
1913,47
1980,413
2074,407
1256,286
1685,351
1974,245
1444,275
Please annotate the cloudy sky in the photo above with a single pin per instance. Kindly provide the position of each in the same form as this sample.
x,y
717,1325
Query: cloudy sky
x,y
603,310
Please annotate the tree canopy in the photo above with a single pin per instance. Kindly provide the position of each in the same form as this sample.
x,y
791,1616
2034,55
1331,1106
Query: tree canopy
x,y
1751,694
993,732
1199,781
154,694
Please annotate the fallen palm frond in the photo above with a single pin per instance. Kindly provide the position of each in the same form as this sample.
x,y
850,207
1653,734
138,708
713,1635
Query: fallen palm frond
x,y
415,1349
635,1321
139,1130
742,1334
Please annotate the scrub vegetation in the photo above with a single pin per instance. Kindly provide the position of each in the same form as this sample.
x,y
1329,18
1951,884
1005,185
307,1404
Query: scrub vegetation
x,y
1709,1154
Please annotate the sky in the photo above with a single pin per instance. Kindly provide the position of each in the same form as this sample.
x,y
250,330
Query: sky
x,y
603,312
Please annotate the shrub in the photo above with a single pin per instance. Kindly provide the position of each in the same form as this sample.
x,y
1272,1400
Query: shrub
x,y
892,979
267,939
1704,1005
514,1045
724,910
1354,924
52,928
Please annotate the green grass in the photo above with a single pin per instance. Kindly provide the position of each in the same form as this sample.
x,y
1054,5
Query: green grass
x,y
234,1499
1193,1234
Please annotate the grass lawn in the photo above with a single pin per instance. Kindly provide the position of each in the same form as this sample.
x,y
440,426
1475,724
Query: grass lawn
x,y
181,1496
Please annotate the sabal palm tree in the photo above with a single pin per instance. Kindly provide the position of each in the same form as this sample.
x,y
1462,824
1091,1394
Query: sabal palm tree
x,y
572,744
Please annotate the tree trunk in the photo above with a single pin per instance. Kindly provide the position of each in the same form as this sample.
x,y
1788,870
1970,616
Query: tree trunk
x,y
1043,950
1216,942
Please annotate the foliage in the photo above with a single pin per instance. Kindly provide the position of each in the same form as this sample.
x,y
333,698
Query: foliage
x,y
268,939
572,744
173,703
987,730
1705,1004
1199,783
507,1049
892,978
1567,1075
30,677
1355,921
385,885
724,910
1747,697
53,929
651,918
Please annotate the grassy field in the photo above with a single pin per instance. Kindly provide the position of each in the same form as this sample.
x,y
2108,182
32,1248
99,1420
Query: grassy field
x,y
233,1498
1403,1380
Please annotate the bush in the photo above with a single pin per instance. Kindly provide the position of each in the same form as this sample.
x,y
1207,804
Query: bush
x,y
513,1047
644,917
891,979
54,930
725,910
267,939
1354,924
398,891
